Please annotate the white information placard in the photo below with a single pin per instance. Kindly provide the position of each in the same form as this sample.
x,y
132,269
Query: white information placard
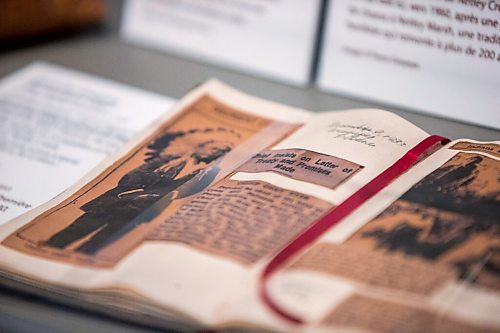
x,y
271,38
437,56
57,124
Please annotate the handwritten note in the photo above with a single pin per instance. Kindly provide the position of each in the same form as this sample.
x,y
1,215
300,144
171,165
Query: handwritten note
x,y
363,134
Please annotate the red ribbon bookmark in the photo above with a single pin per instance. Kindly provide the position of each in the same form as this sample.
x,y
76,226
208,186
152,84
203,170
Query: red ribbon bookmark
x,y
337,214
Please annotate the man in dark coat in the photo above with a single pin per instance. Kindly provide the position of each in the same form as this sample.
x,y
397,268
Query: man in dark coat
x,y
167,168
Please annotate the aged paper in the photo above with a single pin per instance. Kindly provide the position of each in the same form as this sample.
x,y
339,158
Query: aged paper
x,y
179,160
449,218
304,165
214,130
437,238
244,220
207,197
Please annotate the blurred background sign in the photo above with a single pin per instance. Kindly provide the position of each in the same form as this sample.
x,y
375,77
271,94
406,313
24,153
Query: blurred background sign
x,y
439,57
270,38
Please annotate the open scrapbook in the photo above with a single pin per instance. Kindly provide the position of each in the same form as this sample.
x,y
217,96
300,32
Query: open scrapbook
x,y
236,213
